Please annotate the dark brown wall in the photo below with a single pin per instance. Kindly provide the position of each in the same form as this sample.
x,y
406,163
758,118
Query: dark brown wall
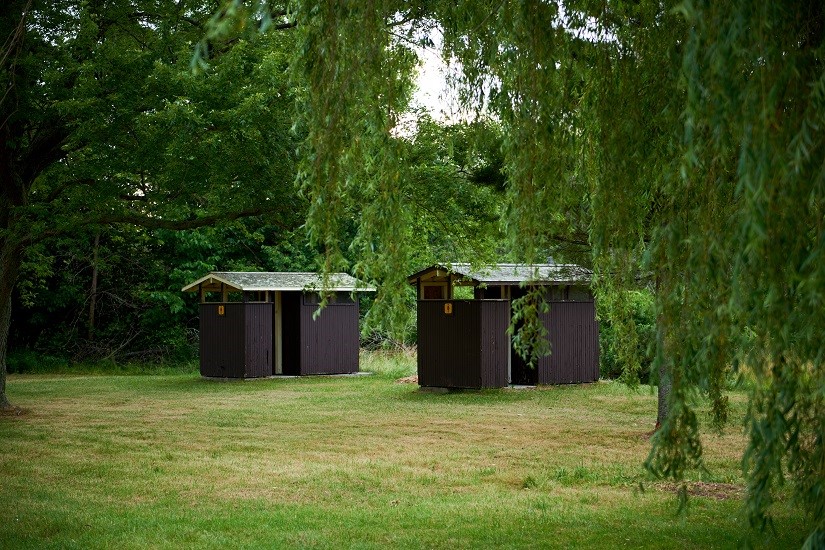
x,y
465,349
222,340
330,342
237,344
291,335
574,337
259,344
495,343
240,343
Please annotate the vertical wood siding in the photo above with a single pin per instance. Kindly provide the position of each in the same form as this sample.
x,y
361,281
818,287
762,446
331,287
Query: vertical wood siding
x,y
240,343
470,348
574,338
259,345
291,332
465,349
330,342
222,342
237,344
495,343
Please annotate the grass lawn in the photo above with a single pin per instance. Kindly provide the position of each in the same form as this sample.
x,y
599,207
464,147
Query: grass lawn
x,y
177,461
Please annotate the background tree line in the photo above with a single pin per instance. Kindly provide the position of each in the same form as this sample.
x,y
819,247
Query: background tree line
x,y
128,174
113,293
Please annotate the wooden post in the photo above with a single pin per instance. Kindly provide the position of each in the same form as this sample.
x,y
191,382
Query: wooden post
x,y
506,293
278,329
201,293
224,293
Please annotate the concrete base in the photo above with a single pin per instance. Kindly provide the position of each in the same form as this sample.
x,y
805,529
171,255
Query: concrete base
x,y
282,376
434,389
431,389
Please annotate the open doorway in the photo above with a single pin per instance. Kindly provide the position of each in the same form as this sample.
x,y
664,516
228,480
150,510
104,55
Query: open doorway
x,y
520,373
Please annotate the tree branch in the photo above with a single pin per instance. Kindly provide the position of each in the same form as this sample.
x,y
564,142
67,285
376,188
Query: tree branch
x,y
43,152
178,225
149,222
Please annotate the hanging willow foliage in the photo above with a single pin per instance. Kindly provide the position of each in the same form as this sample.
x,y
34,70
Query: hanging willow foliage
x,y
755,80
716,178
690,135
351,165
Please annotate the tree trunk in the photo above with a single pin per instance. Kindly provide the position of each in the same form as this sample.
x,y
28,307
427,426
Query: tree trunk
x,y
665,385
10,258
665,381
93,293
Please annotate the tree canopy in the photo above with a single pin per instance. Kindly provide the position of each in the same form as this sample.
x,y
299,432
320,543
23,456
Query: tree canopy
x,y
102,122
155,174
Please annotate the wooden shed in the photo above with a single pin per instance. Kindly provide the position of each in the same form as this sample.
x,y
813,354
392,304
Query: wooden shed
x,y
463,343
257,324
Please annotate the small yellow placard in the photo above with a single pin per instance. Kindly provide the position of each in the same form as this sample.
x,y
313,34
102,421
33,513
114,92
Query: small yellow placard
x,y
448,308
221,310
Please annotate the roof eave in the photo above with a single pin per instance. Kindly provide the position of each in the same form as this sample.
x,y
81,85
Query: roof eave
x,y
308,289
536,283
439,267
192,287
234,287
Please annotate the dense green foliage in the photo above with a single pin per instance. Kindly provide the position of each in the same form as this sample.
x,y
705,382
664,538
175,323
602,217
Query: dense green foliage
x,y
643,318
140,313
753,157
103,123
140,147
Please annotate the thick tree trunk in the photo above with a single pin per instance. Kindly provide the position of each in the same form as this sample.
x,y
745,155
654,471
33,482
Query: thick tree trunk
x,y
93,293
10,257
665,381
665,385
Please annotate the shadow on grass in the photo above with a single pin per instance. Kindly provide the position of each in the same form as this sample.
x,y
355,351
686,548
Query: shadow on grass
x,y
497,395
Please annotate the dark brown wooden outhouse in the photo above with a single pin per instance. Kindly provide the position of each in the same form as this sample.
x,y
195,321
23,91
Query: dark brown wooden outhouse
x,y
264,324
463,341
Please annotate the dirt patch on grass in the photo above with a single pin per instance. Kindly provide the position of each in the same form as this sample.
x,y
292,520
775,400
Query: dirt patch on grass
x,y
716,491
408,380
647,435
12,412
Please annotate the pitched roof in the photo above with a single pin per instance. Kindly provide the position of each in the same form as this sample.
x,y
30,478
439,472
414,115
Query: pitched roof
x,y
514,274
269,280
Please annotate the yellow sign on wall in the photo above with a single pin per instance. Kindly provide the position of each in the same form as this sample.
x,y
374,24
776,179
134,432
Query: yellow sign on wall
x,y
221,310
448,308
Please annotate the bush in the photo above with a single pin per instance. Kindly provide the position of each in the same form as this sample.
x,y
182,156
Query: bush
x,y
644,316
392,363
30,362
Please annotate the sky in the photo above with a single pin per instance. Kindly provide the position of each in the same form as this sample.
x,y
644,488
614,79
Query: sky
x,y
433,92
435,95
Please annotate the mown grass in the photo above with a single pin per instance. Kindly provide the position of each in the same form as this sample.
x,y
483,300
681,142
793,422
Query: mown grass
x,y
365,462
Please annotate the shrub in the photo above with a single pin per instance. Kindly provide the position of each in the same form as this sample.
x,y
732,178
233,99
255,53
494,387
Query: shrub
x,y
28,362
644,317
